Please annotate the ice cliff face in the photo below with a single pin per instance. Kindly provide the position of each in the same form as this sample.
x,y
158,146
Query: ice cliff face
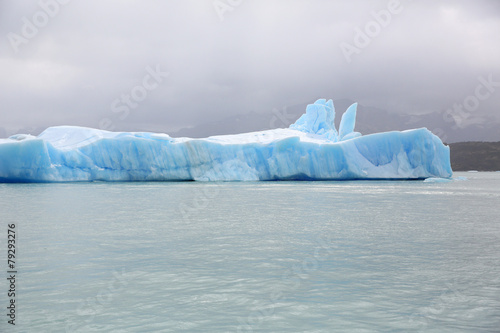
x,y
311,149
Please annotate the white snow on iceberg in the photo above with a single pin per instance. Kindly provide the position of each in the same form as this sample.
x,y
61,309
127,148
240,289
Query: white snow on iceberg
x,y
311,149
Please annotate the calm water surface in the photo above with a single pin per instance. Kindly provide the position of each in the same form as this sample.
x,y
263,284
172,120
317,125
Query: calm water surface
x,y
362,256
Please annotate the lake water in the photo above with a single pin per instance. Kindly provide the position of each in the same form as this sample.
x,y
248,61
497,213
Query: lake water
x,y
360,256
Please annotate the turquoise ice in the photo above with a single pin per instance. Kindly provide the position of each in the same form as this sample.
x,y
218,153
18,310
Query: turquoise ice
x,y
311,149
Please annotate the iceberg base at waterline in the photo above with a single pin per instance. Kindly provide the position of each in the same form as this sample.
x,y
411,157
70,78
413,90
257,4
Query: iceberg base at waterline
x,y
310,149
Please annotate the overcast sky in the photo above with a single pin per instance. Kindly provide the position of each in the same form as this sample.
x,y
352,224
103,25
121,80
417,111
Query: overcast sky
x,y
89,63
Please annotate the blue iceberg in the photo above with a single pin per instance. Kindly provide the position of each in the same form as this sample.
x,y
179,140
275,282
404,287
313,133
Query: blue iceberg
x,y
310,149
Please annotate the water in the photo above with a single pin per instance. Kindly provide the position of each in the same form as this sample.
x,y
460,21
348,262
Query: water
x,y
255,257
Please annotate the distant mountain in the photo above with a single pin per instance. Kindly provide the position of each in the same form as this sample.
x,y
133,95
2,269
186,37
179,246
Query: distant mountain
x,y
480,156
369,120
5,133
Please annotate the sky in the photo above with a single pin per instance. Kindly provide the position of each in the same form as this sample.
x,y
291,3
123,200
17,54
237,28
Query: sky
x,y
166,65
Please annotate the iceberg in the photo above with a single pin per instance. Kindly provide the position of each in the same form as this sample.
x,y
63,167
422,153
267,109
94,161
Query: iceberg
x,y
310,149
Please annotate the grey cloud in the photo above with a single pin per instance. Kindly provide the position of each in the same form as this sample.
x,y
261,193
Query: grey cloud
x,y
264,55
